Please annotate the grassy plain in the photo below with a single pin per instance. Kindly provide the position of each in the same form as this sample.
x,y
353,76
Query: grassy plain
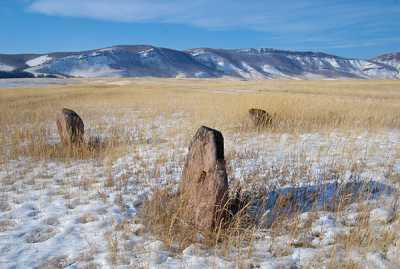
x,y
320,129
297,106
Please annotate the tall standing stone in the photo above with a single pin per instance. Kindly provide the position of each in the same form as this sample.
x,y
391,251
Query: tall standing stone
x,y
204,183
70,127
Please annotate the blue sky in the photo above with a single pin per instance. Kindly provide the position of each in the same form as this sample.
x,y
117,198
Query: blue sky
x,y
352,28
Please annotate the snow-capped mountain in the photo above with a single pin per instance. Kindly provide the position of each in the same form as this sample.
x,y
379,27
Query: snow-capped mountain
x,y
270,63
144,60
124,61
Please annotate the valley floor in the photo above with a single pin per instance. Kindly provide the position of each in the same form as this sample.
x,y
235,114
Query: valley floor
x,y
337,142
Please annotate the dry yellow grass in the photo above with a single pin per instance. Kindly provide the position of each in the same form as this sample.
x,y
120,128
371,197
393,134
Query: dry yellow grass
x,y
300,106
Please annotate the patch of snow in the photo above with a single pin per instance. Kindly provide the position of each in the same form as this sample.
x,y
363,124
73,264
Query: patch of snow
x,y
351,219
111,49
34,82
272,70
393,253
39,60
381,215
377,260
197,52
323,224
193,250
146,52
81,66
7,68
251,73
305,257
181,75
201,74
333,62
278,263
96,71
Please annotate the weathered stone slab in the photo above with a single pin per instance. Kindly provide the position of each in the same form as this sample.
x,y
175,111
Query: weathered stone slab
x,y
70,127
204,183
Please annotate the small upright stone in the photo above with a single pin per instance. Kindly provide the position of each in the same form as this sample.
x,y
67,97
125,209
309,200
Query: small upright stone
x,y
70,127
260,118
204,183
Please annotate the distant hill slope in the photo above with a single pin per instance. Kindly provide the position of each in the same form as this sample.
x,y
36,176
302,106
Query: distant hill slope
x,y
391,59
270,63
144,60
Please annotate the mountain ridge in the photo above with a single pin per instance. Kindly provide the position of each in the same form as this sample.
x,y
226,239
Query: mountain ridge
x,y
244,63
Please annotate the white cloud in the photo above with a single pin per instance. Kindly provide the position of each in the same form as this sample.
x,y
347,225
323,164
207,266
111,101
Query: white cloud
x,y
264,15
117,10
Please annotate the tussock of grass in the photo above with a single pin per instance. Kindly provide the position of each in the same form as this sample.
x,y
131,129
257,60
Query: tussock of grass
x,y
37,146
165,215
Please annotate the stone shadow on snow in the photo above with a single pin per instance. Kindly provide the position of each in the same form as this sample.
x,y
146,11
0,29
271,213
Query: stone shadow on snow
x,y
269,205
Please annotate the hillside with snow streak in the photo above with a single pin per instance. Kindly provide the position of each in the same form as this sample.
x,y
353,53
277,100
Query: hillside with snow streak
x,y
391,59
249,64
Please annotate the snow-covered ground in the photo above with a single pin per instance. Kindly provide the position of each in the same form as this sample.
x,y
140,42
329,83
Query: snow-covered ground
x,y
34,82
83,213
